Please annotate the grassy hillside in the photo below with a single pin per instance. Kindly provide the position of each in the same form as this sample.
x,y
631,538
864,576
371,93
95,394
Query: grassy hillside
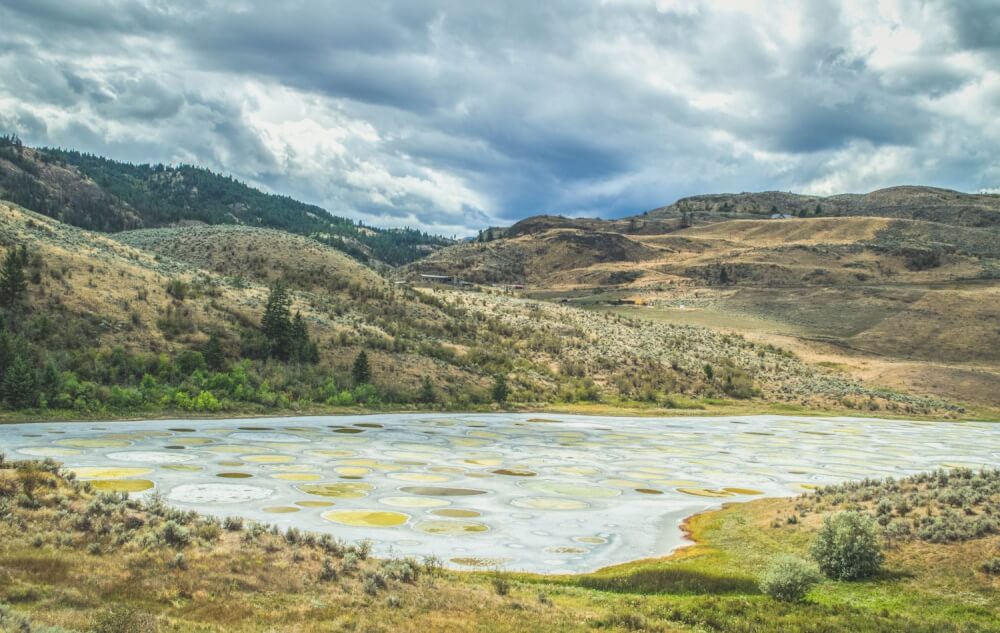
x,y
104,326
72,559
101,194
907,302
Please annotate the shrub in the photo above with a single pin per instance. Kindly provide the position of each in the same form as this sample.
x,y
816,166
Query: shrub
x,y
991,567
847,546
788,578
175,534
232,524
125,620
500,584
328,572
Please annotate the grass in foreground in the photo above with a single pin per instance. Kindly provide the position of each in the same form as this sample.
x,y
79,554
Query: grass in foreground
x,y
74,559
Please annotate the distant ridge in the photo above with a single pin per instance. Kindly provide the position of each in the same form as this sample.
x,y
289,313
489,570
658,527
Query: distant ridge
x,y
905,202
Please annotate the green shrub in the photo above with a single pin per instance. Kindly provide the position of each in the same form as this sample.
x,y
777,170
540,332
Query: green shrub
x,y
500,583
847,546
788,578
125,620
175,534
991,567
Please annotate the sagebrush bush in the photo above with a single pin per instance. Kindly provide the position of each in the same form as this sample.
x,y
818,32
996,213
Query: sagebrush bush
x,y
847,546
789,578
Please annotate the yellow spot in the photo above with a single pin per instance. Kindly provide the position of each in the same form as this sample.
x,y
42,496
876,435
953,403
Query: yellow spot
x,y
122,485
314,504
338,490
456,513
268,459
743,491
366,518
704,492
98,472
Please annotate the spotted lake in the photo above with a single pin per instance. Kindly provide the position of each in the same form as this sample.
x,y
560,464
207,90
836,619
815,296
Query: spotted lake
x,y
552,493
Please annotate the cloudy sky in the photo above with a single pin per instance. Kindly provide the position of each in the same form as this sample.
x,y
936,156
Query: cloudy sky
x,y
451,116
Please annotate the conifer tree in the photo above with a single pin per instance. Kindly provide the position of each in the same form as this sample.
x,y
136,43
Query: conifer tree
x,y
361,372
18,384
276,323
13,283
427,394
500,389
215,356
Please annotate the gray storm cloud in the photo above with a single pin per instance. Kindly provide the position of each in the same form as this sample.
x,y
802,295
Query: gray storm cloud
x,y
451,116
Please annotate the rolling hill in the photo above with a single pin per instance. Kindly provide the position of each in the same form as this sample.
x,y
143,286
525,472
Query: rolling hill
x,y
913,297
154,319
101,194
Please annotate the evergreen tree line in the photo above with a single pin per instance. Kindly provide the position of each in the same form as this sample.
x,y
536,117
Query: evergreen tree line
x,y
164,195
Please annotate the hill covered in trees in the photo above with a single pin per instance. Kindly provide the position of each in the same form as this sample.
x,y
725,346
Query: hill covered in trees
x,y
101,194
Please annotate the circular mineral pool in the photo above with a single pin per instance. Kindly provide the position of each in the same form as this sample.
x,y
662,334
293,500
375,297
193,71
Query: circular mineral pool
x,y
456,513
217,493
102,472
451,528
704,492
280,509
151,457
352,471
234,475
193,441
366,518
438,491
314,504
514,472
342,490
48,451
570,490
548,503
183,468
268,459
743,491
122,485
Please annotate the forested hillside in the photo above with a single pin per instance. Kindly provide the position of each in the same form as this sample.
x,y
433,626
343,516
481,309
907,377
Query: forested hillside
x,y
101,194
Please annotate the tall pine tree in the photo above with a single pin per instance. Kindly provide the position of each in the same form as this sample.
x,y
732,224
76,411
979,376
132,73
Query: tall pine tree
x,y
361,372
277,322
18,386
13,283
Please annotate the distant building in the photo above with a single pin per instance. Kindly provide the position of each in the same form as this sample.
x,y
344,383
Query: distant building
x,y
780,216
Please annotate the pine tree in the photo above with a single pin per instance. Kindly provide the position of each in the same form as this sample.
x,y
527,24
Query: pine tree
x,y
361,372
215,356
18,384
427,394
13,283
276,323
500,389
